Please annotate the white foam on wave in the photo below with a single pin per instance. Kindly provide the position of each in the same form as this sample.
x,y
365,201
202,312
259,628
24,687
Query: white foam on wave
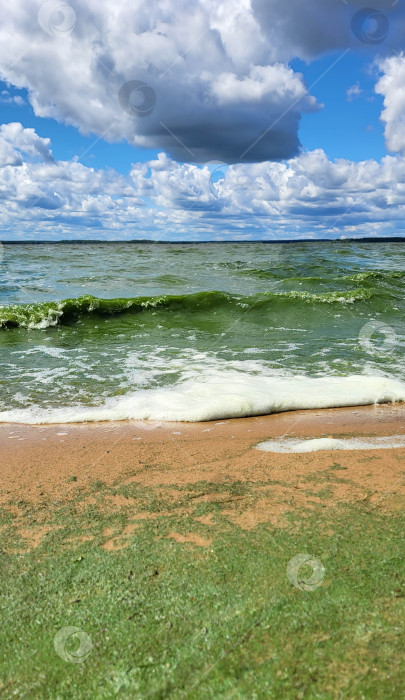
x,y
293,445
230,395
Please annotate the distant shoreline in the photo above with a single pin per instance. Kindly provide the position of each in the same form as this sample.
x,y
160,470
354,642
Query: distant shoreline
x,y
144,241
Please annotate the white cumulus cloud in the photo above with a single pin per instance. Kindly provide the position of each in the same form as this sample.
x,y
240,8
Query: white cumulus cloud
x,y
392,86
310,196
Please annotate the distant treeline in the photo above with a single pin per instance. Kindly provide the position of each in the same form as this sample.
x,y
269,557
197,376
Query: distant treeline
x,y
366,239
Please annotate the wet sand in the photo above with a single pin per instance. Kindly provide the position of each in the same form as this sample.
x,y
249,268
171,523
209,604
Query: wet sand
x,y
53,461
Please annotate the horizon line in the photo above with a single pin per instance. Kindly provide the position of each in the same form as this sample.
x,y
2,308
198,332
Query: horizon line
x,y
88,241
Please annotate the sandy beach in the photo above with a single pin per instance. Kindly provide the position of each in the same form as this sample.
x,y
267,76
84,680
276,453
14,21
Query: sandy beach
x,y
180,538
52,463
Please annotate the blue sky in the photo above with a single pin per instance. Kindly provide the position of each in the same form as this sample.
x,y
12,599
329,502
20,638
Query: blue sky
x,y
68,142
280,94
344,128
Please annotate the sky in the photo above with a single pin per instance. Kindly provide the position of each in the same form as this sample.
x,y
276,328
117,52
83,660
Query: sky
x,y
202,119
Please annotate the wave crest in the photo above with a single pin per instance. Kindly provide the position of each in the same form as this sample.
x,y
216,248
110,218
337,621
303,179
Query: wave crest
x,y
50,313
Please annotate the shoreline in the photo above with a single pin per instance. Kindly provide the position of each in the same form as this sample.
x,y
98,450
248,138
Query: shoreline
x,y
362,415
378,412
56,460
145,241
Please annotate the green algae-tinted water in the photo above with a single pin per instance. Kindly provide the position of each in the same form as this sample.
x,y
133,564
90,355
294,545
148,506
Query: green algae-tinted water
x,y
107,325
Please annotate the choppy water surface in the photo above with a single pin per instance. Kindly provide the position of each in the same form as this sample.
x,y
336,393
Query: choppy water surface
x,y
198,331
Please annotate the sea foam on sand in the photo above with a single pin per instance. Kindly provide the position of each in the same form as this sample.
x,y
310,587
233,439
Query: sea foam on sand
x,y
289,445
230,395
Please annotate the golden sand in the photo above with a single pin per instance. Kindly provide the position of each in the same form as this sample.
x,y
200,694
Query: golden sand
x,y
53,461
